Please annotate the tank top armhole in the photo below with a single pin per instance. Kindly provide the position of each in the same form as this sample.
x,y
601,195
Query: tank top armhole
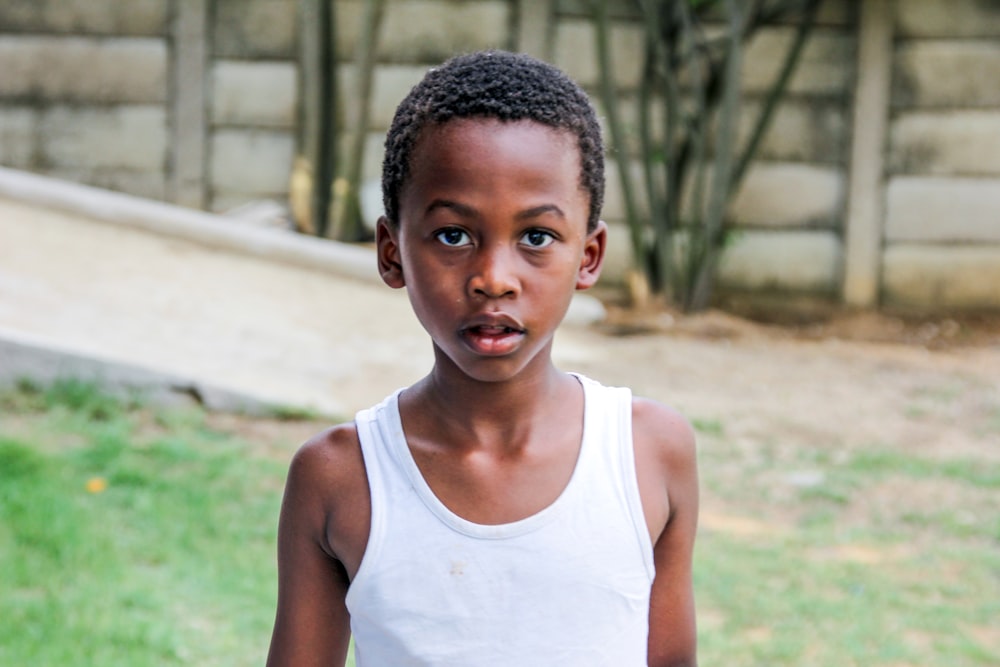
x,y
366,423
631,479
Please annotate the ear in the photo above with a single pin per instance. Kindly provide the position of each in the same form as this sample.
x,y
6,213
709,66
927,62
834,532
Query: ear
x,y
593,257
390,267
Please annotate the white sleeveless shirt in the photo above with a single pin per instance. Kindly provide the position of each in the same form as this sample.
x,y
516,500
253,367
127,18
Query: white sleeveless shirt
x,y
569,585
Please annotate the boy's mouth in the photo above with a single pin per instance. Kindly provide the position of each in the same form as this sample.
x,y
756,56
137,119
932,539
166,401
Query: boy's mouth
x,y
492,339
484,330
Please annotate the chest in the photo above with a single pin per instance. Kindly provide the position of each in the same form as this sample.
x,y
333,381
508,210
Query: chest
x,y
491,488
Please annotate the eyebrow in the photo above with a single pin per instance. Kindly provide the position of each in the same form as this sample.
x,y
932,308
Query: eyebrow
x,y
469,212
540,210
461,209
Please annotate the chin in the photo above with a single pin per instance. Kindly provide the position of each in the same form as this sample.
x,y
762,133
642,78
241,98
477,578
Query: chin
x,y
493,370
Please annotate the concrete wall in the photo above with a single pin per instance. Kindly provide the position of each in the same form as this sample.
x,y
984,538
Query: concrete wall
x,y
942,211
84,91
876,185
192,101
789,210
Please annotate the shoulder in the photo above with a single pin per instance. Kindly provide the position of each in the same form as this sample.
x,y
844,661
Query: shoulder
x,y
328,454
327,498
661,431
666,461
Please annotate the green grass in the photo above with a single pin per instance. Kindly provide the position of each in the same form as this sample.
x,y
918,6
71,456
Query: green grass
x,y
886,558
804,600
173,563
890,558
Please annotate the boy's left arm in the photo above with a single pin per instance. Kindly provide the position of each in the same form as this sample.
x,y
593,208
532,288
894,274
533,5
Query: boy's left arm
x,y
666,466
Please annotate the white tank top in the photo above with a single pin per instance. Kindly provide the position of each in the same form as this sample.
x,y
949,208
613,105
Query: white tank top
x,y
569,585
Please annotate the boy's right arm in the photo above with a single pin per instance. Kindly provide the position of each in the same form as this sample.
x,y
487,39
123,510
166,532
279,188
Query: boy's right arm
x,y
325,496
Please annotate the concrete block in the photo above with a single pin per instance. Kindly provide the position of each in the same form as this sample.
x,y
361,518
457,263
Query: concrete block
x,y
825,67
255,162
614,198
86,17
254,93
782,261
954,18
787,195
390,84
255,28
943,210
582,9
575,53
829,13
801,130
958,143
796,260
81,69
937,74
130,138
535,23
939,277
18,136
427,31
627,104
836,13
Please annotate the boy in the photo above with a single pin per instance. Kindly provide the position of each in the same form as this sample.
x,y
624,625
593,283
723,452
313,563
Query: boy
x,y
499,511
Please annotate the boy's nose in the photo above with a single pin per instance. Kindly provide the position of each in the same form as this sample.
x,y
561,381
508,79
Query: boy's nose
x,y
494,275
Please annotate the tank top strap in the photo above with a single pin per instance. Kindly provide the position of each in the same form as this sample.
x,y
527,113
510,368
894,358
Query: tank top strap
x,y
608,422
377,427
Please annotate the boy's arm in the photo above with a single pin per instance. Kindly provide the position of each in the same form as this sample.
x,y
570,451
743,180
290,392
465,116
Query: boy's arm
x,y
669,483
312,625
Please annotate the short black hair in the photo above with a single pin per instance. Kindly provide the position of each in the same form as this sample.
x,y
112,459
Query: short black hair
x,y
500,85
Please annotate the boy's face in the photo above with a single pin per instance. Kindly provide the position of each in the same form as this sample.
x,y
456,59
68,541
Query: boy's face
x,y
492,242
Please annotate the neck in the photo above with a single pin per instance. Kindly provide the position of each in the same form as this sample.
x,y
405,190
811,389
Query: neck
x,y
483,412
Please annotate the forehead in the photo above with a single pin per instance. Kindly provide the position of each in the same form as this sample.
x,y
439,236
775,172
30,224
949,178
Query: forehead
x,y
465,145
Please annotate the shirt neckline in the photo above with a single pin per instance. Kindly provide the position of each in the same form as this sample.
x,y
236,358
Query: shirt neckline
x,y
401,452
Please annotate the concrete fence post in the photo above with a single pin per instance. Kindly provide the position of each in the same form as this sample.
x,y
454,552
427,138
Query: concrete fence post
x,y
866,187
188,103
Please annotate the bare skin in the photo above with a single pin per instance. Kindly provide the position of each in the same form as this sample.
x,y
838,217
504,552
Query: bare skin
x,y
491,244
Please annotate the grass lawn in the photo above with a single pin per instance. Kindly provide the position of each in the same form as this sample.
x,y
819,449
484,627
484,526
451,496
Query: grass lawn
x,y
133,536
833,557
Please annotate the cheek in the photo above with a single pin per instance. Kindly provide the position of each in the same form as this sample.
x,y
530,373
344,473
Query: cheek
x,y
431,291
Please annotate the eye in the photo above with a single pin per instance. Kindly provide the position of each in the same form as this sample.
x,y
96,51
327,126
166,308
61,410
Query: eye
x,y
453,237
538,238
